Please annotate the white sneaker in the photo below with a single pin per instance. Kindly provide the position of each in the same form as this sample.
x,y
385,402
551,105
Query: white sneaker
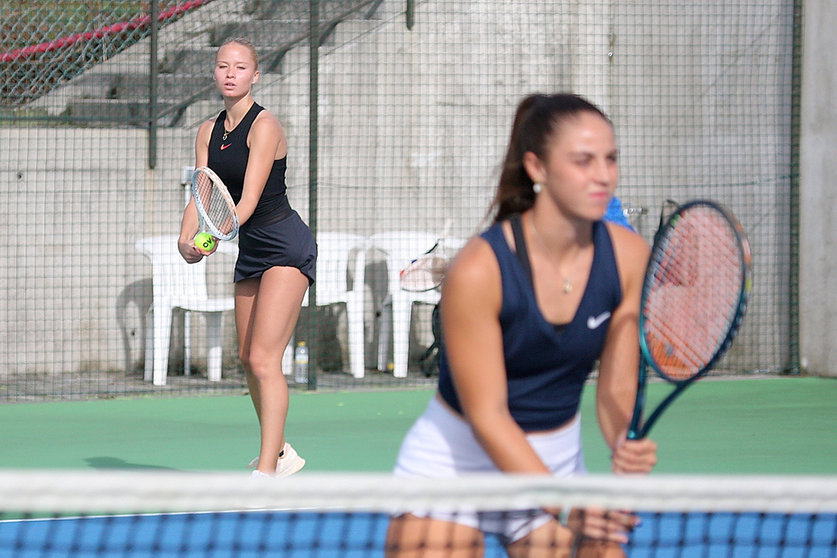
x,y
289,463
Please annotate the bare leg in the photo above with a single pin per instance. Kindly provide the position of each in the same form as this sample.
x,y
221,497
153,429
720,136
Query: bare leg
x,y
409,536
600,549
553,540
266,311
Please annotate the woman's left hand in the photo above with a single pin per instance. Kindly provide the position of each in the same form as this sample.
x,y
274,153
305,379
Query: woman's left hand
x,y
634,456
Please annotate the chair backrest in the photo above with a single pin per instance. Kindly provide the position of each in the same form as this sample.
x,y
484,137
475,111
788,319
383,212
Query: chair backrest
x,y
401,248
172,277
341,263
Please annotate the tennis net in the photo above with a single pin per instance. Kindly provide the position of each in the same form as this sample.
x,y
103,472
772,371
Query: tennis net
x,y
166,514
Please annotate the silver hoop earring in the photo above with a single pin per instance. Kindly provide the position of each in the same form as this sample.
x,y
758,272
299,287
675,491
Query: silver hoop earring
x,y
536,188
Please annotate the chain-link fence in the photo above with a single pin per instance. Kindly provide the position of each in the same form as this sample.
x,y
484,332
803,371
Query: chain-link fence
x,y
400,126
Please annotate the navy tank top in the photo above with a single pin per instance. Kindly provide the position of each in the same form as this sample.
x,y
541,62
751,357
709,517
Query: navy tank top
x,y
228,158
546,367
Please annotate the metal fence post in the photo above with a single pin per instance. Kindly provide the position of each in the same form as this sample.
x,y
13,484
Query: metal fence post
x,y
313,92
152,87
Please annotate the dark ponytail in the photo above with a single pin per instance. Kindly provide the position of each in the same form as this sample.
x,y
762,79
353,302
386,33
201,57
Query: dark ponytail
x,y
537,119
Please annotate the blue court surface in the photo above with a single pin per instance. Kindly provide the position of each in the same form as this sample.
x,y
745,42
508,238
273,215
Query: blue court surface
x,y
355,535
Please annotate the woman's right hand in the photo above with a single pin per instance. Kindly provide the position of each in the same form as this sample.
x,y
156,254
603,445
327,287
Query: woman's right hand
x,y
189,251
596,524
603,525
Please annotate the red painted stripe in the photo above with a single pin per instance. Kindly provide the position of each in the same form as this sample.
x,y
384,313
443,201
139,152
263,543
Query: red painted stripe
x,y
70,40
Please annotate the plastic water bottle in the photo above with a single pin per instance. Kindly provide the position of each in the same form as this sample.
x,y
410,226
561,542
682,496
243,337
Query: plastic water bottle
x,y
301,363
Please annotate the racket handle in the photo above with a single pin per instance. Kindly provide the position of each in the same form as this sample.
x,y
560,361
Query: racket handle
x,y
635,429
634,432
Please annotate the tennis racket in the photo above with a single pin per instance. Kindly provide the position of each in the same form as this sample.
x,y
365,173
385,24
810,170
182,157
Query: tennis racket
x,y
693,300
426,272
215,206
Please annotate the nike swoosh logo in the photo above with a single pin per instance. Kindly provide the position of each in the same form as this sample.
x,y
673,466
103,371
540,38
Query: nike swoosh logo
x,y
223,147
595,321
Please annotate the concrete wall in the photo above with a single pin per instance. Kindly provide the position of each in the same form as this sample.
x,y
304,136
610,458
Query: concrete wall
x,y
818,203
413,124
73,286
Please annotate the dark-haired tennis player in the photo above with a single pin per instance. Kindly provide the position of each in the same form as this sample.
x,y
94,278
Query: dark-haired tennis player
x,y
528,308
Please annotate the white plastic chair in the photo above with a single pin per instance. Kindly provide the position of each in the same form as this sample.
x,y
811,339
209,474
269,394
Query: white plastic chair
x,y
177,284
341,268
400,247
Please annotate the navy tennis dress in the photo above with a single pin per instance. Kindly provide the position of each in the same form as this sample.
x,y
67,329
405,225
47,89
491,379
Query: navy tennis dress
x,y
275,235
546,365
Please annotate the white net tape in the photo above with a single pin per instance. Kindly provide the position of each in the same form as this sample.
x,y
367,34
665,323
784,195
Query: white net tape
x,y
83,491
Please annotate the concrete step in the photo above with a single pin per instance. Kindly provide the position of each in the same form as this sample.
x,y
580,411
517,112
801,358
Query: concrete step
x,y
263,34
276,28
188,61
350,29
170,87
270,9
109,112
298,9
203,59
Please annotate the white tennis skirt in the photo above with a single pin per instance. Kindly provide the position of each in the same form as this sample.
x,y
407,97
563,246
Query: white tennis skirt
x,y
441,445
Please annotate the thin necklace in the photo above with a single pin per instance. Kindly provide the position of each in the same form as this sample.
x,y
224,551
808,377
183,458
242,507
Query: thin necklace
x,y
228,132
568,284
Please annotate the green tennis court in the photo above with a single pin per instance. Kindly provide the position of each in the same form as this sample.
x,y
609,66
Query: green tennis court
x,y
748,426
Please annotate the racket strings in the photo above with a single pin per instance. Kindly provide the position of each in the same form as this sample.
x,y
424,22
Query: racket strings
x,y
426,272
693,297
213,206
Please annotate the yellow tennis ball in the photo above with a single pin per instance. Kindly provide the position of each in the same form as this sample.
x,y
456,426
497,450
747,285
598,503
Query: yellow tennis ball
x,y
204,241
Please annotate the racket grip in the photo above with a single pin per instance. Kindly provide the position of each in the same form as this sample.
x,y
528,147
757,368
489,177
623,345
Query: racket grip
x,y
634,432
635,428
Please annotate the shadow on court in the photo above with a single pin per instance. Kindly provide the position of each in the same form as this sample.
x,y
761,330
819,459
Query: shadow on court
x,y
116,463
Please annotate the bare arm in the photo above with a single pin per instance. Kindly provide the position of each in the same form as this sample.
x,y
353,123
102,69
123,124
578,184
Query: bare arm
x,y
267,143
619,362
189,222
470,308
